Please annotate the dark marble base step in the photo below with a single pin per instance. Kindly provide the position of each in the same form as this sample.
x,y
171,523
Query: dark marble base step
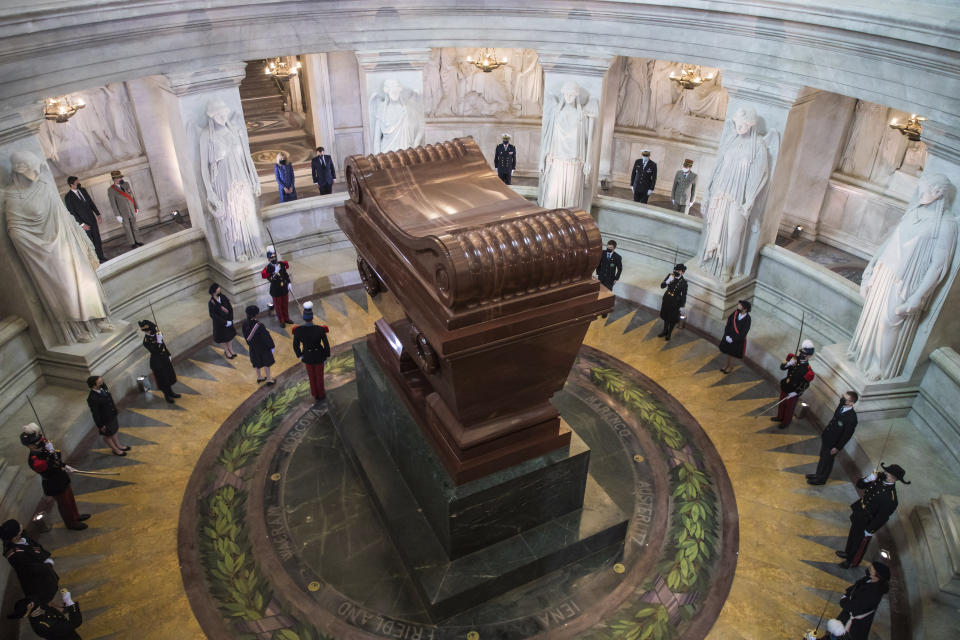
x,y
446,586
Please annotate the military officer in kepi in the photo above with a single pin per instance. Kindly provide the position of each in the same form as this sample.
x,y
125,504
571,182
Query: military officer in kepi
x,y
674,299
871,512
799,377
684,187
505,159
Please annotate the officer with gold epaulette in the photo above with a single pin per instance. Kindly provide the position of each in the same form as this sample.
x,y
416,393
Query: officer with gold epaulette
x,y
50,621
674,299
799,377
871,511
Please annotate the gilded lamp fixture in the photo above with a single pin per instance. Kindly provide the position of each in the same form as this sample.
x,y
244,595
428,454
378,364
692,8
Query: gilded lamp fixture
x,y
690,76
487,61
912,128
61,109
280,68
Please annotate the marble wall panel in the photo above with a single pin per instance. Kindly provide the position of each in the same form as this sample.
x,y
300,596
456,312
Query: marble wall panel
x,y
857,220
937,407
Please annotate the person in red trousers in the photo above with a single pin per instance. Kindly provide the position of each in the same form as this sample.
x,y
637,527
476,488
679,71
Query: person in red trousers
x,y
311,346
277,272
46,460
799,377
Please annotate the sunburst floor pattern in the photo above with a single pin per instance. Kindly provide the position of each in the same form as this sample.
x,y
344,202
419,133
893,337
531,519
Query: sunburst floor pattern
x,y
124,569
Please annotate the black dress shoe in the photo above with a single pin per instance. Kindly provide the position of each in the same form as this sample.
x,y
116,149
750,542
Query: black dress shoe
x,y
841,554
174,395
126,448
168,399
667,337
845,564
814,481
811,476
775,419
783,425
603,315
661,334
84,516
77,526
121,454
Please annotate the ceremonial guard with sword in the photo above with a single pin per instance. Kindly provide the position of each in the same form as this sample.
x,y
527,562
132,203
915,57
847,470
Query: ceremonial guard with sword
x,y
871,511
799,376
46,460
277,272
674,299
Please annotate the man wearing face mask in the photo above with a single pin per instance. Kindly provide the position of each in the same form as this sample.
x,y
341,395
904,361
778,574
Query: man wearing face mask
x,y
84,210
46,460
684,187
799,377
643,178
610,267
871,512
505,159
835,436
674,299
30,561
861,599
276,272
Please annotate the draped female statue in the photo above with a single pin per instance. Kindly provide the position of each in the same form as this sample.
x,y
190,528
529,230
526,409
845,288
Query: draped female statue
x,y
738,177
396,118
902,277
633,98
230,182
566,141
56,254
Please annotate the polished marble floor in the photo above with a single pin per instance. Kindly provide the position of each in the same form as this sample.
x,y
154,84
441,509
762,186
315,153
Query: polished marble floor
x,y
125,570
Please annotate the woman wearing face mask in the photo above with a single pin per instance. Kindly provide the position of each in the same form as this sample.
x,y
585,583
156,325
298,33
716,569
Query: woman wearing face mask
x,y
861,600
104,411
161,362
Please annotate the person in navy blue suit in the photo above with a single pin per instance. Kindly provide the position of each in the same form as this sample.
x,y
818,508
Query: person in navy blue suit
x,y
324,173
283,171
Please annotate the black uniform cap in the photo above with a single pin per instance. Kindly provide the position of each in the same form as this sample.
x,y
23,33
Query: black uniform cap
x,y
679,267
896,471
9,529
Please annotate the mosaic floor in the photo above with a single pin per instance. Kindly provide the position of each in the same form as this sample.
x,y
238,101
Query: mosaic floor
x,y
126,568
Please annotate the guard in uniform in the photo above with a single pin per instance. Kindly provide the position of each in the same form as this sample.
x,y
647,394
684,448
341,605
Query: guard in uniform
x,y
46,460
861,599
311,347
871,512
610,267
505,159
50,622
30,561
835,437
277,272
161,362
674,299
799,376
643,178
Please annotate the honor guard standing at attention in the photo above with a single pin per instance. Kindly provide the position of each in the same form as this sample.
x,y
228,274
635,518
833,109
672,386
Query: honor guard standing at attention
x,y
124,206
684,187
871,512
799,377
30,561
45,459
48,621
860,602
311,347
505,159
674,299
161,362
610,267
643,178
277,272
835,436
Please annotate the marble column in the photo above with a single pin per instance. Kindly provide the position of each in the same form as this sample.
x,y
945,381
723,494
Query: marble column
x,y
595,104
404,67
319,119
608,119
187,95
938,325
62,358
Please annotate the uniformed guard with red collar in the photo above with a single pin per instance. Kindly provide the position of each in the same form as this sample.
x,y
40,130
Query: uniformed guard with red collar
x,y
310,345
277,272
46,460
799,376
871,511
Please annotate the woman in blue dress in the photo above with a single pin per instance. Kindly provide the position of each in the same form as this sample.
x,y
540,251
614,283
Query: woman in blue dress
x,y
283,171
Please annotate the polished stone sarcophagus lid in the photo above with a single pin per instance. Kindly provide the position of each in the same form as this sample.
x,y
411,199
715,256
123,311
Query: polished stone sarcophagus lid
x,y
486,299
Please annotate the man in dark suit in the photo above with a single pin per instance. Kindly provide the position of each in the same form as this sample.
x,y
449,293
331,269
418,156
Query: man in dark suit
x,y
835,436
82,207
505,159
643,179
610,267
324,173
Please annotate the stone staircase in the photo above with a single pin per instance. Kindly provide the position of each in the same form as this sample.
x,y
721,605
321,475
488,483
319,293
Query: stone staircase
x,y
259,93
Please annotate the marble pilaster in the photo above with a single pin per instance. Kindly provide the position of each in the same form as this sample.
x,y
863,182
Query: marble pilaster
x,y
405,66
185,99
590,73
319,121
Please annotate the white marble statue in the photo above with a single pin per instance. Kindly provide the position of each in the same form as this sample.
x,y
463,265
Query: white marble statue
x,y
863,141
567,137
230,183
442,77
902,277
740,173
663,93
56,254
396,117
102,133
633,96
454,87
709,100
528,84
484,94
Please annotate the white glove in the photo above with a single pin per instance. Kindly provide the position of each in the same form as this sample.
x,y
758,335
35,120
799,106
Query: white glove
x,y
49,561
301,358
649,191
69,468
792,394
120,219
159,338
867,534
65,596
670,278
271,350
229,322
48,447
791,362
871,477
728,339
